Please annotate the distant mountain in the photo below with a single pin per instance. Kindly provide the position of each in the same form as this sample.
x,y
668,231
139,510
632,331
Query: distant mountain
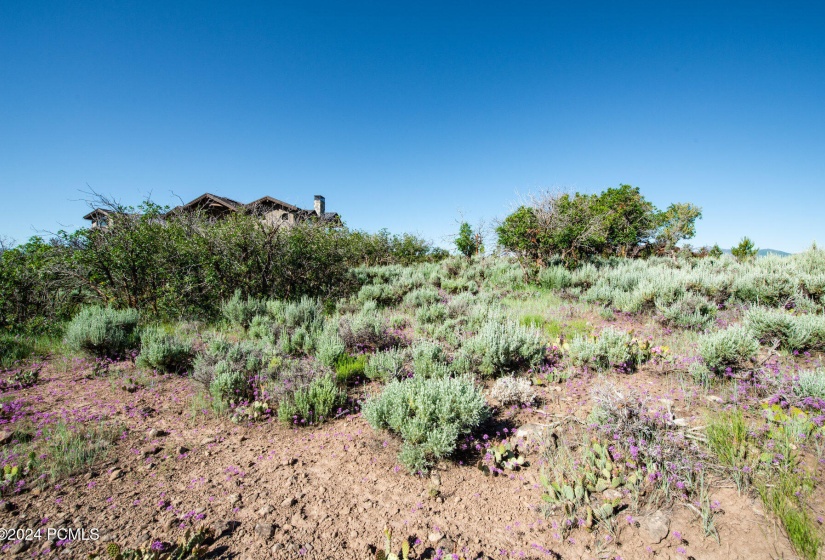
x,y
765,252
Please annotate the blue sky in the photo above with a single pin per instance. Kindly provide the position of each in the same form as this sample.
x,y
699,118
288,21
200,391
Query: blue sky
x,y
408,115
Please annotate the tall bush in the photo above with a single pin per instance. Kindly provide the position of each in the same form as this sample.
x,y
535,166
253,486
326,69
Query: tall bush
x,y
103,331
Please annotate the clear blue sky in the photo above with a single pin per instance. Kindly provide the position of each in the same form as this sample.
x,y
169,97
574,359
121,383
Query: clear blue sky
x,y
405,114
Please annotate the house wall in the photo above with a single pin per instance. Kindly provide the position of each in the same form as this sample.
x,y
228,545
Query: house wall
x,y
279,217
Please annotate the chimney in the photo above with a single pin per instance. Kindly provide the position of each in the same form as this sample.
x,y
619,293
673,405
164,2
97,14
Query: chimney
x,y
320,205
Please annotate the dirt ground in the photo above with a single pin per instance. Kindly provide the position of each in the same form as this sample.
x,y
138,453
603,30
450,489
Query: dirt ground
x,y
327,492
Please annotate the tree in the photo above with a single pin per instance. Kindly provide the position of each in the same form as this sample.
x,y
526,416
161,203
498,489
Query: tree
x,y
715,251
675,224
619,221
745,251
468,242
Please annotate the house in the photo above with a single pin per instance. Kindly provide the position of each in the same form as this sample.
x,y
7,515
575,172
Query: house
x,y
270,210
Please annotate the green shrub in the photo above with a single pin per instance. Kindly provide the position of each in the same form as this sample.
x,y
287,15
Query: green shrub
x,y
429,359
729,348
792,332
501,347
299,341
555,278
348,367
262,327
431,314
227,369
239,311
810,383
690,311
365,330
421,297
306,313
14,348
385,365
613,348
73,449
383,294
313,404
164,351
228,384
329,347
103,331
429,415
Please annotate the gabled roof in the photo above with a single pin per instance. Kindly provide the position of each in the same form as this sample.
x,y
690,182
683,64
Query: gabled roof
x,y
273,201
97,213
221,200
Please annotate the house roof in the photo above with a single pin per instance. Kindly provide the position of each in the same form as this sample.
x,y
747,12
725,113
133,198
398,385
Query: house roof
x,y
273,201
222,200
229,204
96,213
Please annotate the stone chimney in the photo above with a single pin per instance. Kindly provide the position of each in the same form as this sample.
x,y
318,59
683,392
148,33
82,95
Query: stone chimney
x,y
320,205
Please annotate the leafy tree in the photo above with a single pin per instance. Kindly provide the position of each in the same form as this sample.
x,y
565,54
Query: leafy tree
x,y
675,224
715,251
468,242
745,251
619,221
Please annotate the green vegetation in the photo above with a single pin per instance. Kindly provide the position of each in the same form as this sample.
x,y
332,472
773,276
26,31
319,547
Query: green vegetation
x,y
103,332
164,351
429,415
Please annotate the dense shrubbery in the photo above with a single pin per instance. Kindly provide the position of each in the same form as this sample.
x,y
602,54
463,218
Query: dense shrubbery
x,y
312,404
185,264
164,351
103,331
429,415
228,369
613,348
501,347
728,348
791,332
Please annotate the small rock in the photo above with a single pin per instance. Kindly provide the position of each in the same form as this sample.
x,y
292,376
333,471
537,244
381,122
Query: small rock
x,y
435,537
207,440
714,398
5,437
143,537
655,527
435,479
233,499
266,510
612,494
115,474
532,432
220,527
289,502
182,450
151,450
307,547
353,534
446,545
264,530
156,433
277,547
680,422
